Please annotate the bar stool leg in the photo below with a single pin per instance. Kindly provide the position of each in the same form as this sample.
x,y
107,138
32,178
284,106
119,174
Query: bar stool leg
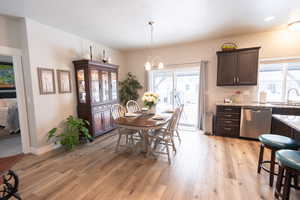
x,y
272,167
286,187
279,182
261,156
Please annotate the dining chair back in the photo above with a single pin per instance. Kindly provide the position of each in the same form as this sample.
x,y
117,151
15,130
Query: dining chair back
x,y
117,111
132,106
173,122
176,130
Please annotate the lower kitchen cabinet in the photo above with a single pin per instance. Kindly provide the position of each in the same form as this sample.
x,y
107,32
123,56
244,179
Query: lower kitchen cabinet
x,y
227,121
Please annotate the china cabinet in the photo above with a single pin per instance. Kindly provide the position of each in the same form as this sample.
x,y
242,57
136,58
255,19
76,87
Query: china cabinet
x,y
97,91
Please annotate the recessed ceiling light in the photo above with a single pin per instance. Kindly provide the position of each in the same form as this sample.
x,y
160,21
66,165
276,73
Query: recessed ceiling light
x,y
294,26
267,19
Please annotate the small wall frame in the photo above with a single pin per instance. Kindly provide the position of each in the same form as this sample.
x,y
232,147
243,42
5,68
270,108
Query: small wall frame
x,y
64,81
46,81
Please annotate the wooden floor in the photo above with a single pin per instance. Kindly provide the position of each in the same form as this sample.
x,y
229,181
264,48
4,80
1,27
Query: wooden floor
x,y
205,167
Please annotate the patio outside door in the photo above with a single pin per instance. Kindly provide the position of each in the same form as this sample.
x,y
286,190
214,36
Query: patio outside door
x,y
176,87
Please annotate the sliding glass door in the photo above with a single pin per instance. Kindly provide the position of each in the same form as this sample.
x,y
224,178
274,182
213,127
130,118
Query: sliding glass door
x,y
176,87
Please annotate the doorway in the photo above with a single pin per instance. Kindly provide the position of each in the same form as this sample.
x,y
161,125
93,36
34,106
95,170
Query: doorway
x,y
175,87
10,135
20,103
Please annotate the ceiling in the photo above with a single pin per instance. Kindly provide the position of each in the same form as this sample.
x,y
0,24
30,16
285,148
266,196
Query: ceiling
x,y
122,24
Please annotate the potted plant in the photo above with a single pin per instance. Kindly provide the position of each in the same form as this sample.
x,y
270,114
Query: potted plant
x,y
73,133
129,89
150,100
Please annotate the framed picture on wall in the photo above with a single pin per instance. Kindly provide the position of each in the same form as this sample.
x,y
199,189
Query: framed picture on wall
x,y
7,77
46,81
64,81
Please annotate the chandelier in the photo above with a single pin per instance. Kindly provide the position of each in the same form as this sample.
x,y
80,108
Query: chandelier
x,y
153,61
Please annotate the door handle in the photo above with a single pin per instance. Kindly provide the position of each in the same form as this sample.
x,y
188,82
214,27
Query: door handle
x,y
227,129
234,80
237,79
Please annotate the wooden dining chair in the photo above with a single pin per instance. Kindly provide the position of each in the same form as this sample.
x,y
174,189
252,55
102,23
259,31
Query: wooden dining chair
x,y
176,134
118,111
164,136
132,106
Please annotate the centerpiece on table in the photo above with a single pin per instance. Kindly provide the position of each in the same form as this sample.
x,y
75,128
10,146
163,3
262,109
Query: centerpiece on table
x,y
150,100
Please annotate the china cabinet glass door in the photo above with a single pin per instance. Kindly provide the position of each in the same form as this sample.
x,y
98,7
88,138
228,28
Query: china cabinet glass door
x,y
114,82
95,86
105,86
81,86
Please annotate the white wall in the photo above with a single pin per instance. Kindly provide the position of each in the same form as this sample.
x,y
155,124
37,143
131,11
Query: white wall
x,y
275,44
52,48
9,32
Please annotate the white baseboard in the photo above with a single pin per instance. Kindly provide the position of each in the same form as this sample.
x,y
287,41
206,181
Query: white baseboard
x,y
44,149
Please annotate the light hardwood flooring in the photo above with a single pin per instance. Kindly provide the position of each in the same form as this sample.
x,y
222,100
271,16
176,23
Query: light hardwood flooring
x,y
205,167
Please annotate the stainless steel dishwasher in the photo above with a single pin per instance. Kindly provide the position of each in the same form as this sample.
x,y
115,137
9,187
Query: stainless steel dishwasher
x,y
255,121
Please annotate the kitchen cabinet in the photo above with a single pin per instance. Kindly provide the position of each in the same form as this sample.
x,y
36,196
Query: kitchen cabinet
x,y
238,67
227,121
97,91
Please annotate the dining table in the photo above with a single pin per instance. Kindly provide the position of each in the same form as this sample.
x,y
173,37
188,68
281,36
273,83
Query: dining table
x,y
144,123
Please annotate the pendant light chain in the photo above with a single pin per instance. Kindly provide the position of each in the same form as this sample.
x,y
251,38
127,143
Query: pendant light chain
x,y
152,61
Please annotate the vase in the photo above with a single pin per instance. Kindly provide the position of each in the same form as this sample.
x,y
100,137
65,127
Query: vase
x,y
152,109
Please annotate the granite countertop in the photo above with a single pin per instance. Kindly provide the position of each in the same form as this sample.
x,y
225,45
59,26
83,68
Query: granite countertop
x,y
256,104
290,120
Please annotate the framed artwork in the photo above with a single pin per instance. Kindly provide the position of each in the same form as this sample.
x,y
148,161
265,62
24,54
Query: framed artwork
x,y
64,81
7,77
46,81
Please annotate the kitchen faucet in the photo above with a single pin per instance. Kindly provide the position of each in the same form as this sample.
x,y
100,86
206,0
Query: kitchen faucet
x,y
288,94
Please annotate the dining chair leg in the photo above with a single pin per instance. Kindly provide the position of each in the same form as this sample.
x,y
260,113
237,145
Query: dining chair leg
x,y
177,133
126,140
173,145
157,141
168,152
118,142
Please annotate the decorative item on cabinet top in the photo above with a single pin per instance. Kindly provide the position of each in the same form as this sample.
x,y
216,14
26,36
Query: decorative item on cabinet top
x,y
228,46
46,81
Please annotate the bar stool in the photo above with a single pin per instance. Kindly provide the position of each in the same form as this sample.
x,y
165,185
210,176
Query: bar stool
x,y
274,143
289,168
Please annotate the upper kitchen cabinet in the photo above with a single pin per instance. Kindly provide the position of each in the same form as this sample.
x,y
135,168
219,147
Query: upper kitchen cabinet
x,y
238,67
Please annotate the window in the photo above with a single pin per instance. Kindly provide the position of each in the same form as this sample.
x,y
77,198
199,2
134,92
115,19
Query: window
x,y
276,79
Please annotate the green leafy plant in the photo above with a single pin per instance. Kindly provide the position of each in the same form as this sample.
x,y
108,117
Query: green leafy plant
x,y
74,130
129,88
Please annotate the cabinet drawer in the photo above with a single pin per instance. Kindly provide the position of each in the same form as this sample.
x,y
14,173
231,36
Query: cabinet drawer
x,y
228,109
228,131
229,116
228,122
